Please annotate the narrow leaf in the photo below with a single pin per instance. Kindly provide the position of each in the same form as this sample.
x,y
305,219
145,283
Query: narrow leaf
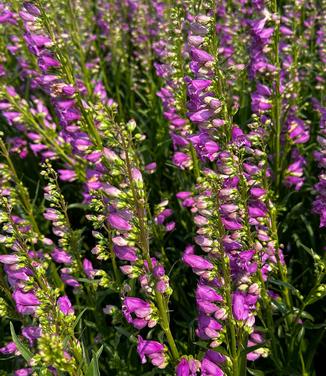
x,y
23,349
93,368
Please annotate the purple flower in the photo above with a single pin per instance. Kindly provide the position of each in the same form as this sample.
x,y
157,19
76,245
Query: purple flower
x,y
61,256
209,368
152,350
32,9
9,348
69,280
47,62
24,372
67,175
255,339
294,173
118,222
125,253
136,175
137,312
26,302
204,292
31,333
51,214
187,367
215,356
151,167
239,307
8,259
65,305
170,226
208,328
181,160
198,263
88,268
200,56
201,115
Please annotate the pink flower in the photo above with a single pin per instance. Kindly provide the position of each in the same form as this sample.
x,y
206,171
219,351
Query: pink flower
x,y
152,350
26,302
65,305
117,222
138,312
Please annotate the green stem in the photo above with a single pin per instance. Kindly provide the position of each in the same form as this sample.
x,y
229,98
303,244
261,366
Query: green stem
x,y
281,267
22,190
231,326
270,322
140,212
194,161
165,324
114,262
277,106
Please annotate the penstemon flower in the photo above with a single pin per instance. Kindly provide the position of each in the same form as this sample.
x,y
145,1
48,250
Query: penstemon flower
x,y
161,166
26,267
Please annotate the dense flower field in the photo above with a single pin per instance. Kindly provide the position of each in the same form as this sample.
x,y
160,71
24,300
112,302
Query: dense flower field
x,y
162,187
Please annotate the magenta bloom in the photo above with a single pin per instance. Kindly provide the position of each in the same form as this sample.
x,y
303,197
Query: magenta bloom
x,y
152,350
200,56
51,214
65,305
47,62
215,356
125,253
208,328
209,368
181,160
67,175
8,259
187,367
197,262
137,312
9,348
151,167
69,280
207,293
32,9
31,333
61,256
88,268
24,372
118,222
239,307
26,302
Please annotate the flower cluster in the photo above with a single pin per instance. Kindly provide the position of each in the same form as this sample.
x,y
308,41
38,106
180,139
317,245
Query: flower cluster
x,y
161,165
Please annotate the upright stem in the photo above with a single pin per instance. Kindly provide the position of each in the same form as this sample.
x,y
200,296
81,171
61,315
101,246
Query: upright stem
x,y
226,273
281,268
22,191
234,352
277,105
140,211
270,321
114,262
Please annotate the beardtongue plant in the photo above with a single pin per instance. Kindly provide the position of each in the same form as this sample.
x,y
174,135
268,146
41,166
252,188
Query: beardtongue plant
x,y
186,242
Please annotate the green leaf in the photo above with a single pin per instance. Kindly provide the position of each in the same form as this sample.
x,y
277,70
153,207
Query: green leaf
x,y
93,368
250,349
315,298
127,334
255,372
89,281
295,291
79,317
24,350
77,205
311,326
